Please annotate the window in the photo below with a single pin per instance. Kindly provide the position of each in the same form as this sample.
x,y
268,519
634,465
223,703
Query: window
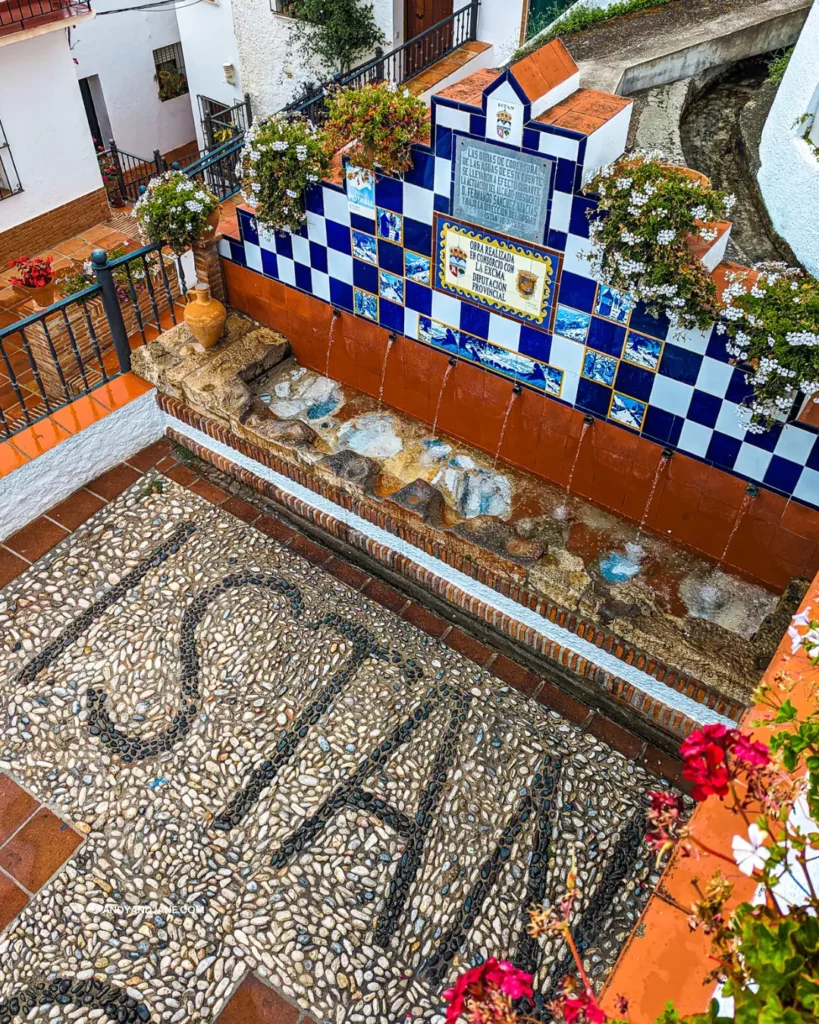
x,y
288,8
9,182
541,13
170,71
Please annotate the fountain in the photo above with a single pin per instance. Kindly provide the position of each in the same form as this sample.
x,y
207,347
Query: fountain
x,y
336,315
588,420
664,461
453,362
751,491
390,342
516,390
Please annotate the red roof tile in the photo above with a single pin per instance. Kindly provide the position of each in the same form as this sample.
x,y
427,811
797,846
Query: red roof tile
x,y
542,70
585,110
471,89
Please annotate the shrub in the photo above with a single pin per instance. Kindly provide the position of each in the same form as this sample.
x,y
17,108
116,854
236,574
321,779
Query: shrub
x,y
772,319
778,65
174,210
337,32
282,158
381,122
33,272
577,19
646,215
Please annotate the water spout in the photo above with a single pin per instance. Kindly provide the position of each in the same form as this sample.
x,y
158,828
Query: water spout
x,y
453,362
336,315
390,342
516,390
751,492
665,458
587,422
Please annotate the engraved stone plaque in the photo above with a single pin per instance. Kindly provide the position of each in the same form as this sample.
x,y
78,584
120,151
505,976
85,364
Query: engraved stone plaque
x,y
502,190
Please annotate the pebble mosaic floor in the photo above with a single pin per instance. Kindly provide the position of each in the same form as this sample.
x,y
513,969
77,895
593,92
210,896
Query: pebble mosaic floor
x,y
275,774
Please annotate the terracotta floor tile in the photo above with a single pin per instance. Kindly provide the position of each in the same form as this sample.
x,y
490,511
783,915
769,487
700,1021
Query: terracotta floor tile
x,y
15,806
425,620
34,540
254,1003
121,390
41,846
10,566
12,901
210,492
115,481
181,475
76,509
10,458
468,646
44,435
81,413
148,457
240,509
274,528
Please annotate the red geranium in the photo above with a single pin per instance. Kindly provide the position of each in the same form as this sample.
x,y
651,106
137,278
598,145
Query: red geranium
x,y
705,758
580,1008
34,272
479,983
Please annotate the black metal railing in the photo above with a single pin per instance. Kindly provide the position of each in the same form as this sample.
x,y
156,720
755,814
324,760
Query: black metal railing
x,y
225,123
65,350
219,169
401,64
18,13
124,173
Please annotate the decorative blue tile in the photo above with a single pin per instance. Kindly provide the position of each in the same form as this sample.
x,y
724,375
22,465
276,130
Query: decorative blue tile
x,y
441,204
391,257
680,364
314,200
362,223
422,172
534,343
338,237
270,263
284,244
365,276
477,126
633,380
642,321
723,450
606,336
557,240
577,291
704,408
389,193
739,390
813,458
593,397
782,474
237,252
531,139
474,320
768,440
419,298
341,294
304,278
418,236
248,227
577,185
443,142
564,178
661,426
391,316
716,347
579,221
318,257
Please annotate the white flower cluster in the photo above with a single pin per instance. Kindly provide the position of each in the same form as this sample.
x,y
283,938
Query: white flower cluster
x,y
629,237
806,338
709,234
666,236
699,212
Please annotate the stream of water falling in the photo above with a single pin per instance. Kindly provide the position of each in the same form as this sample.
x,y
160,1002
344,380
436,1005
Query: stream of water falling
x,y
390,342
586,426
654,482
330,344
743,508
509,405
449,368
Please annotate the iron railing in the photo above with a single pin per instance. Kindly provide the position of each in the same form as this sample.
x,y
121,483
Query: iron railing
x,y
227,123
125,172
65,350
401,64
18,13
219,169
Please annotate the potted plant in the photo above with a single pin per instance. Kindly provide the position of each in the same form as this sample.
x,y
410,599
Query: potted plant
x,y
771,317
110,177
176,211
35,277
382,121
647,215
282,158
171,82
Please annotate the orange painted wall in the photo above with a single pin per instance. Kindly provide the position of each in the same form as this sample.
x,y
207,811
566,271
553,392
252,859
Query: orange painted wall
x,y
694,503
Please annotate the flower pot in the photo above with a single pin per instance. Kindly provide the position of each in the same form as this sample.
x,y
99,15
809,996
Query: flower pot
x,y
689,172
211,225
44,295
205,316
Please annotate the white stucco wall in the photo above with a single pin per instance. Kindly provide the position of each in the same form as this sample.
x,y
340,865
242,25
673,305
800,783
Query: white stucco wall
x,y
789,171
45,126
119,49
499,22
208,40
272,62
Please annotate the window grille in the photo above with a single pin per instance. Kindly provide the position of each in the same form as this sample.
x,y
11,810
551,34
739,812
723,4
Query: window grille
x,y
287,8
170,76
9,181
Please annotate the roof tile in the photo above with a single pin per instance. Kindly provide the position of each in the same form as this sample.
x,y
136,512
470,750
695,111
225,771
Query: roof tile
x,y
542,70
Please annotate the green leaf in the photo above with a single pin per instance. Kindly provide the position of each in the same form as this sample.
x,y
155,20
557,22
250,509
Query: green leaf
x,y
786,713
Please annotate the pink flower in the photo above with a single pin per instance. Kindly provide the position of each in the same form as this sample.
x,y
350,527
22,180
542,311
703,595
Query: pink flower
x,y
474,985
581,1008
705,758
751,751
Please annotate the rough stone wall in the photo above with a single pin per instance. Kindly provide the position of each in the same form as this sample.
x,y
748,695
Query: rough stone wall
x,y
789,172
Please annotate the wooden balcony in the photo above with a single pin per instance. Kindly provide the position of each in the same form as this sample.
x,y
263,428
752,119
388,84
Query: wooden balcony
x,y
24,15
